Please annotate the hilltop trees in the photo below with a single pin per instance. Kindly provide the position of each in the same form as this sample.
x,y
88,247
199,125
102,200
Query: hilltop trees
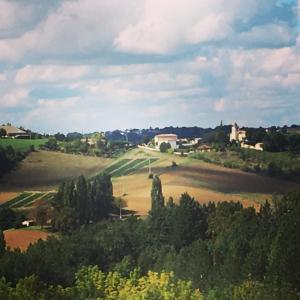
x,y
80,202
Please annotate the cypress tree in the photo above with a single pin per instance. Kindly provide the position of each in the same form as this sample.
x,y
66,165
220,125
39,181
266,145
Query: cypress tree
x,y
157,198
2,243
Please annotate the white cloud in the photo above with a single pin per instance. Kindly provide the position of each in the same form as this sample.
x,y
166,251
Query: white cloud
x,y
13,98
267,35
165,27
50,73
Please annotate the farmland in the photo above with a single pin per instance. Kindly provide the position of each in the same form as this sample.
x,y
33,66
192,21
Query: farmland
x,y
27,199
22,238
45,170
22,145
204,181
42,171
127,166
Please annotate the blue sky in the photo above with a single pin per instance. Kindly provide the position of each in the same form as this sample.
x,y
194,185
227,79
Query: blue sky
x,y
90,65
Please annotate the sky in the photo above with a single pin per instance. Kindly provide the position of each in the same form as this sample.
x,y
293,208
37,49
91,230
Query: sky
x,y
96,65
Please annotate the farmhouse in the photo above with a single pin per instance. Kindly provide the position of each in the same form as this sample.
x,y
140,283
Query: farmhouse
x,y
166,138
14,132
237,134
28,223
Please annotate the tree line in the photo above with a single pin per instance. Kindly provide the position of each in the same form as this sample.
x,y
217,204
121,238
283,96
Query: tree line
x,y
225,250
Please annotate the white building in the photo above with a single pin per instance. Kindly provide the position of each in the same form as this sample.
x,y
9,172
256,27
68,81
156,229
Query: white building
x,y
166,138
237,134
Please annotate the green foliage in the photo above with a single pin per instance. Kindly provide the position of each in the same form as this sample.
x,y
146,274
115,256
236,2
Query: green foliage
x,y
164,147
78,203
280,164
225,250
51,144
91,284
2,243
7,218
157,198
9,158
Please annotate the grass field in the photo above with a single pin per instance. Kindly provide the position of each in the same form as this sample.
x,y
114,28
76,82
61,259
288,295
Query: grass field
x,y
22,145
45,170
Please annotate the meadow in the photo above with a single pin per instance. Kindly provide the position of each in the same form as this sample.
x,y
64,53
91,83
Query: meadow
x,y
23,145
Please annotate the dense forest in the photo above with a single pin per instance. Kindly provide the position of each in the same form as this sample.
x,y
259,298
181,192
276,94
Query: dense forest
x,y
181,251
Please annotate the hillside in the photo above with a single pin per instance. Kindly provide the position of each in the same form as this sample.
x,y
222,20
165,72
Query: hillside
x,y
204,181
45,170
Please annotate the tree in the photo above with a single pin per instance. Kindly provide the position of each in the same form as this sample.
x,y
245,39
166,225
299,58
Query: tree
x,y
2,132
157,198
284,257
42,214
7,218
164,147
2,243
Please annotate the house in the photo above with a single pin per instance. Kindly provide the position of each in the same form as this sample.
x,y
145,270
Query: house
x,y
14,132
257,146
166,138
237,134
28,223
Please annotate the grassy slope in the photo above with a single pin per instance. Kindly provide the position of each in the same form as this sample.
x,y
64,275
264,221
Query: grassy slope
x,y
45,170
22,145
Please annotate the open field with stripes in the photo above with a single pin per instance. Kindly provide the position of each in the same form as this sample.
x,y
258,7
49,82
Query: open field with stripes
x,y
44,171
128,166
27,199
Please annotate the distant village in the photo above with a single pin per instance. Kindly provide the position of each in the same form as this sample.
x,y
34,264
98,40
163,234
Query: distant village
x,y
237,135
178,140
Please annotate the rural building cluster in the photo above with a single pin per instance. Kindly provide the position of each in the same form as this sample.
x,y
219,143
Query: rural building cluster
x,y
239,136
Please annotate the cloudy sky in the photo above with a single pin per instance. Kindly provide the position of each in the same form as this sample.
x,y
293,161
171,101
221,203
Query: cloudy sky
x,y
86,65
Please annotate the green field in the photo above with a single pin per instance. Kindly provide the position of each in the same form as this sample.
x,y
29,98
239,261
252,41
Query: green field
x,y
127,166
22,145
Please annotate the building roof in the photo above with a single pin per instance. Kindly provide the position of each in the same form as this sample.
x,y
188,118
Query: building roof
x,y
12,130
167,135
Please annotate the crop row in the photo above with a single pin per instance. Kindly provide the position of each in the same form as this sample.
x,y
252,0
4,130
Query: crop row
x,y
27,201
122,171
116,166
15,200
